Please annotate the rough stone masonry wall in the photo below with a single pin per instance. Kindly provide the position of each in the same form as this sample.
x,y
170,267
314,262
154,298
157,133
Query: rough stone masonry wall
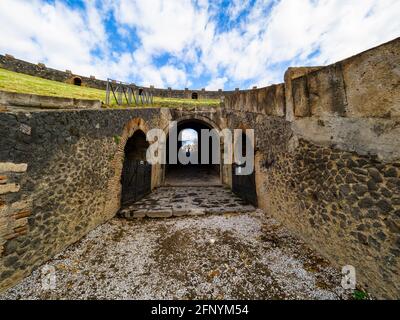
x,y
329,166
40,70
58,180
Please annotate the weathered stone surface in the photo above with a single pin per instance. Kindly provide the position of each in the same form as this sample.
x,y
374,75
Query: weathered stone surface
x,y
326,92
13,167
372,81
187,201
333,177
300,97
10,187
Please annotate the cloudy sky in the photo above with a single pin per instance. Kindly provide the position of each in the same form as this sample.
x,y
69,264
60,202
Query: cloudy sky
x,y
193,43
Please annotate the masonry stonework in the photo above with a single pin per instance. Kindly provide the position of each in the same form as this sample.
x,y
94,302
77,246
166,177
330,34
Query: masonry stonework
x,y
327,166
9,62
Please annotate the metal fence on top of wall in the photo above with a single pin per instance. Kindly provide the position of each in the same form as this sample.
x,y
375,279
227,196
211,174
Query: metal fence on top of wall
x,y
127,94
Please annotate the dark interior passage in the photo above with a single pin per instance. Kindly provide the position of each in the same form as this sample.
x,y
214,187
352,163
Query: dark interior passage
x,y
192,174
244,185
136,172
78,81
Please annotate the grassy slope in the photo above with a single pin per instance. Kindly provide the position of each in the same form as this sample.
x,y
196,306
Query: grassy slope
x,y
21,83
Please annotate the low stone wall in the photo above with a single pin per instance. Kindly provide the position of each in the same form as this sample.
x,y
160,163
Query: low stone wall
x,y
40,70
269,100
46,102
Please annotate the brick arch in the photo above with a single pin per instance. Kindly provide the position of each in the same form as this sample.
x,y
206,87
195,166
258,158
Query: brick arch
x,y
114,186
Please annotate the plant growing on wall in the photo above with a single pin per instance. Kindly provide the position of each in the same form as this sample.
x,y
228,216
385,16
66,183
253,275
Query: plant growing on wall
x,y
117,139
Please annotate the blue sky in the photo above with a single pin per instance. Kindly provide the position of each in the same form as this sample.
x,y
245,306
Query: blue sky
x,y
193,43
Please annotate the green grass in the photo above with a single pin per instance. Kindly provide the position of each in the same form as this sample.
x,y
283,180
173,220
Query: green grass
x,y
360,295
21,83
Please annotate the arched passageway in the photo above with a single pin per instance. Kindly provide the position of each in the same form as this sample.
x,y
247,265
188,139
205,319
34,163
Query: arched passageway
x,y
244,185
136,172
195,96
196,172
77,81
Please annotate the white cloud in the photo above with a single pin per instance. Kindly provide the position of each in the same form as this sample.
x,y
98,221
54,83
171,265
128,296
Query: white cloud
x,y
54,34
255,50
296,28
217,83
237,7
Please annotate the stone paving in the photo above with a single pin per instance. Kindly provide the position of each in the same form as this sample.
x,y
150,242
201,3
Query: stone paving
x,y
214,246
192,175
186,201
224,256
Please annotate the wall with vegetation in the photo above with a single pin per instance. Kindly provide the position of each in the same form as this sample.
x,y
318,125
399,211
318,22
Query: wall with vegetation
x,y
40,70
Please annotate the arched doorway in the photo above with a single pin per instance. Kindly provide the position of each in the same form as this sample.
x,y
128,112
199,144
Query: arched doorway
x,y
244,185
195,96
77,81
191,142
136,171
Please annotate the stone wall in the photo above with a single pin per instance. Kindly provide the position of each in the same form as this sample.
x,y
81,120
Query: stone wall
x,y
269,100
59,178
329,166
48,102
40,70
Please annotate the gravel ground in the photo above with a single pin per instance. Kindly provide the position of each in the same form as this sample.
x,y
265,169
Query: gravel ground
x,y
232,256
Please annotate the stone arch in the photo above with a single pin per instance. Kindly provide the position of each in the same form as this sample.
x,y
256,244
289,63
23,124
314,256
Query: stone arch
x,y
194,117
113,201
77,81
195,96
208,123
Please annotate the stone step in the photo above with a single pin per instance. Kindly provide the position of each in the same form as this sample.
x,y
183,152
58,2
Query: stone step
x,y
168,202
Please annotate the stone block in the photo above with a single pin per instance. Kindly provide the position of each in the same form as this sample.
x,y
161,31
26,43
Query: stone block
x,y
21,205
300,97
372,82
9,188
138,214
159,214
326,92
180,212
13,167
197,212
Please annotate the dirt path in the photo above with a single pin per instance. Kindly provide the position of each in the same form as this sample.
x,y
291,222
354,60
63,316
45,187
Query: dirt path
x,y
229,256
